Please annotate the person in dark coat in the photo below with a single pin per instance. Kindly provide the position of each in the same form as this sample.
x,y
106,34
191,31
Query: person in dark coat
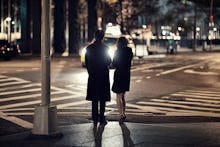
x,y
98,87
122,63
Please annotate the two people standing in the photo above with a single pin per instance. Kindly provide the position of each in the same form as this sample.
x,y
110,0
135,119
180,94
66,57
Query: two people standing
x,y
98,88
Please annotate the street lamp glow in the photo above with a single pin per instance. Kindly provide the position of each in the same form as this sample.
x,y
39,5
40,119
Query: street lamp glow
x,y
144,26
197,29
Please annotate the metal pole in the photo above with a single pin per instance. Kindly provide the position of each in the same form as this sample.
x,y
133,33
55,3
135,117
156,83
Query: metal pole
x,y
2,17
45,116
45,53
9,22
194,29
211,23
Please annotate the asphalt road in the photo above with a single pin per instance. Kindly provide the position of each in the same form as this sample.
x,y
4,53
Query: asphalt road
x,y
173,88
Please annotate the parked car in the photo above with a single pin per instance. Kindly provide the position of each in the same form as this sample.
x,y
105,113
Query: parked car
x,y
110,41
8,50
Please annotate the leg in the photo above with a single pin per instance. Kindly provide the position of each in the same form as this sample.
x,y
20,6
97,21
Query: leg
x,y
119,103
102,112
95,111
123,104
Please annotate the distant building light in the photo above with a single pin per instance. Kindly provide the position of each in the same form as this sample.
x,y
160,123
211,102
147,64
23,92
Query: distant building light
x,y
109,24
8,19
215,29
179,28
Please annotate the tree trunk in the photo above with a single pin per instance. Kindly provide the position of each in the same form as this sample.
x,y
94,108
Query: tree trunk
x,y
74,32
36,15
59,43
25,26
92,18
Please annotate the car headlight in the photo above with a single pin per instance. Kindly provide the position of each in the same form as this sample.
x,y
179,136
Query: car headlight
x,y
111,52
83,51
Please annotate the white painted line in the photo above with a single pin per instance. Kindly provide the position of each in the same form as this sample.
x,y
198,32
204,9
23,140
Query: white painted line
x,y
195,96
26,96
18,109
18,87
20,113
168,110
4,72
147,66
16,120
180,68
35,68
3,80
20,91
69,91
202,94
202,100
204,91
180,106
1,76
19,70
148,77
201,73
186,102
38,102
138,81
72,104
13,83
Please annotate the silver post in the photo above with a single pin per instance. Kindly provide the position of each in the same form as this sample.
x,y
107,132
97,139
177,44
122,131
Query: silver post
x,y
45,53
45,116
9,21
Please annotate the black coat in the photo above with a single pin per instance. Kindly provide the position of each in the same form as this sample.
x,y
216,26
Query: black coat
x,y
122,63
97,63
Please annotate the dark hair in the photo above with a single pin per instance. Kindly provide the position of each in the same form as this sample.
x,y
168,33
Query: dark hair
x,y
99,35
122,42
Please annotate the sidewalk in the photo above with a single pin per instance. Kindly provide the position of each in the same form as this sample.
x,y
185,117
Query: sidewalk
x,y
126,135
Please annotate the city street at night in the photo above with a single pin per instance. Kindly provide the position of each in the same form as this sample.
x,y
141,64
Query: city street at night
x,y
164,89
109,73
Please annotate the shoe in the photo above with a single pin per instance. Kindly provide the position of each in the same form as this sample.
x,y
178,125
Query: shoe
x,y
122,119
95,122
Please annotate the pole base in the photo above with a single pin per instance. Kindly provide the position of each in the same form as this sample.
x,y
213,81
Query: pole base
x,y
45,121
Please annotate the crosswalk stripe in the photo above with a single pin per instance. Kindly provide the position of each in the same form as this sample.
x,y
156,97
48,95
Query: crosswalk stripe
x,y
195,96
27,96
201,94
68,91
201,100
17,109
1,76
179,68
147,66
186,102
16,120
4,80
204,91
16,87
20,91
72,104
180,106
13,83
168,111
37,102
